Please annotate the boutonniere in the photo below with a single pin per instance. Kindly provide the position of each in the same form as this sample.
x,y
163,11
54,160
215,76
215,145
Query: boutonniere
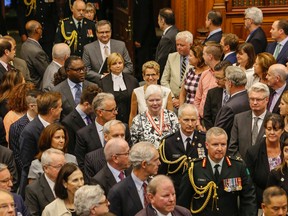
x,y
90,33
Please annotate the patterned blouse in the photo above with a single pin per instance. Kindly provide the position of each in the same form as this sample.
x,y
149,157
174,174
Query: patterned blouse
x,y
190,84
142,129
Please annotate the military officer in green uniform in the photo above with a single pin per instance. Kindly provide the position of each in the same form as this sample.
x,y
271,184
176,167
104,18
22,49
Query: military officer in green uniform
x,y
176,149
76,31
218,185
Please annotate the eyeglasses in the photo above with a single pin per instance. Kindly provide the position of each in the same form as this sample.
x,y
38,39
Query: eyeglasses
x,y
59,166
257,99
104,202
219,78
104,32
126,153
111,110
150,75
7,180
6,206
78,70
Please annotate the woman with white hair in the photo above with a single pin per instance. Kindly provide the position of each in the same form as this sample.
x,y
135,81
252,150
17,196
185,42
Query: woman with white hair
x,y
156,122
90,200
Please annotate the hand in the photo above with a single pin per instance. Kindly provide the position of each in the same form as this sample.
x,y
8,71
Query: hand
x,y
176,103
137,44
103,75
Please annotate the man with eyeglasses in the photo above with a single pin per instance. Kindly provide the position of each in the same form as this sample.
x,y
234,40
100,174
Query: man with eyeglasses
x,y
186,143
95,53
6,184
248,127
76,31
116,152
7,204
41,191
92,137
71,88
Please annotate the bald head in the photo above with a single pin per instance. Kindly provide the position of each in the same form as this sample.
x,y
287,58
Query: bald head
x,y
34,29
276,76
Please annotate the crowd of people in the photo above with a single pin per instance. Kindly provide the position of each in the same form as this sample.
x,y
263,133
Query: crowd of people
x,y
204,134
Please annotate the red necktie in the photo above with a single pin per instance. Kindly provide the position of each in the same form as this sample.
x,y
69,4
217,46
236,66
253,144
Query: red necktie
x,y
121,175
145,194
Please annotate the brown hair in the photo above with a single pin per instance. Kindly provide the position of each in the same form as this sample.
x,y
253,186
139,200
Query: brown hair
x,y
265,60
249,50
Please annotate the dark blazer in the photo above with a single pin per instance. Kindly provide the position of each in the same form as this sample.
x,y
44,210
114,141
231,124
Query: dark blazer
x,y
21,207
212,105
203,174
166,45
236,104
124,198
2,71
68,103
73,122
241,134
231,58
94,162
257,163
92,58
28,143
123,102
150,211
37,60
85,36
38,194
278,177
276,108
174,149
258,39
3,140
215,37
6,157
21,65
282,57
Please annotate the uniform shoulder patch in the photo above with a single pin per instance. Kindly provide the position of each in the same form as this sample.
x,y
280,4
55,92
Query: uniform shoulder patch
x,y
237,158
167,136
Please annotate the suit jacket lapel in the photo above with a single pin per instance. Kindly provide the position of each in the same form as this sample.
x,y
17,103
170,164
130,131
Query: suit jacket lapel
x,y
48,194
68,94
109,177
132,192
97,53
283,51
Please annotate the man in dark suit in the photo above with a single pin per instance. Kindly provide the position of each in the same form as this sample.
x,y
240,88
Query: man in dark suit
x,y
91,137
49,109
129,196
95,160
238,102
32,52
213,23
45,13
76,30
186,142
279,48
96,53
252,21
229,43
227,177
116,154
81,116
216,97
248,127
276,80
6,184
71,88
41,192
167,43
7,54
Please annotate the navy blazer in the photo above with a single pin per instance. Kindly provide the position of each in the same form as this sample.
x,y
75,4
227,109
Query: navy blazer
x,y
282,57
214,37
276,108
231,58
258,39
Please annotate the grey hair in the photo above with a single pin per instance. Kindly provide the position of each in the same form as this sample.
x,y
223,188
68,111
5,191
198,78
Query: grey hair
x,y
187,106
157,181
186,35
101,23
153,89
46,155
279,70
3,167
114,146
86,197
140,152
61,51
259,87
99,101
255,14
236,75
109,124
215,131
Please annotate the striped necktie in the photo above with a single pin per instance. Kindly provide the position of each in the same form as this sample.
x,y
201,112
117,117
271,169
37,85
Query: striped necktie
x,y
183,68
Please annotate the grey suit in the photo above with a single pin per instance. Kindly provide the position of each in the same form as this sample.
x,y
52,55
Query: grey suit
x,y
241,134
21,65
48,78
93,59
37,60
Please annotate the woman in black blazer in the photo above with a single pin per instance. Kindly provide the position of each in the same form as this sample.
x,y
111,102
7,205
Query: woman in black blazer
x,y
264,156
121,85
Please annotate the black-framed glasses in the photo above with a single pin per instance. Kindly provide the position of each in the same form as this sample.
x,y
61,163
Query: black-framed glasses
x,y
111,110
257,99
78,70
5,181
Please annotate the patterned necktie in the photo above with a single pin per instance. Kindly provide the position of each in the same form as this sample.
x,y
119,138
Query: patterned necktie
x,y
183,68
255,130
277,50
216,172
121,175
78,93
144,186
88,120
106,51
226,97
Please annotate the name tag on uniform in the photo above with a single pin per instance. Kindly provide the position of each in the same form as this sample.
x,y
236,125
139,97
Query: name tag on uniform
x,y
201,180
49,1
176,155
232,184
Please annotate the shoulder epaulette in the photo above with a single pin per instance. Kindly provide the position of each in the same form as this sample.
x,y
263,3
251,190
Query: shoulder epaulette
x,y
195,159
236,158
168,135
